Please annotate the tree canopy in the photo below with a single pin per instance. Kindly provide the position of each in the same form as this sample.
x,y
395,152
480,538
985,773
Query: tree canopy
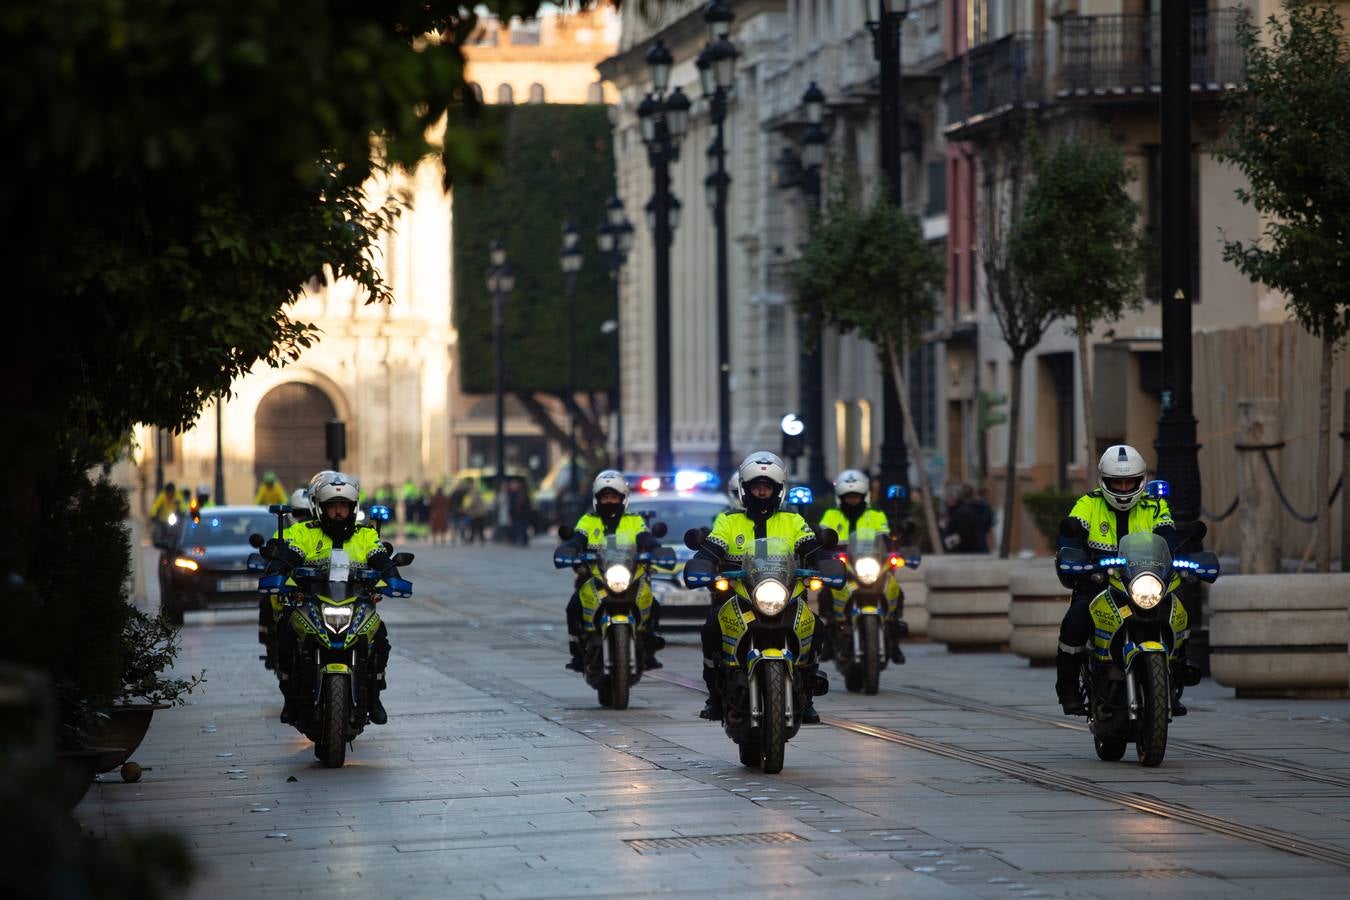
x,y
556,165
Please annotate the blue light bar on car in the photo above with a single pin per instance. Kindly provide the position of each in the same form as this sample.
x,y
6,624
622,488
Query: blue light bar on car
x,y
694,479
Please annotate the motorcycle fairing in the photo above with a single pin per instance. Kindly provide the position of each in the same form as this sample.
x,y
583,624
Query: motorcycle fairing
x,y
1109,643
593,593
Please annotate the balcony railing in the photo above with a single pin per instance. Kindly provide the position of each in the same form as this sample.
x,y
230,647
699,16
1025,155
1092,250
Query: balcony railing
x,y
995,78
1122,54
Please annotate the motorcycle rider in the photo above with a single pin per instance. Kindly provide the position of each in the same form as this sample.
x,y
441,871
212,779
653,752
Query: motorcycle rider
x,y
1115,508
333,500
763,482
609,516
853,513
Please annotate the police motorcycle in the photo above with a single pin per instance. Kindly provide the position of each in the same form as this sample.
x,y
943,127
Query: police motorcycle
x,y
333,613
860,651
767,629
616,608
1139,623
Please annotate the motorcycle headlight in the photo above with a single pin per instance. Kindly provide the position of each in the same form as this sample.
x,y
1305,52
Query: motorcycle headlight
x,y
770,597
867,569
1146,591
337,618
618,578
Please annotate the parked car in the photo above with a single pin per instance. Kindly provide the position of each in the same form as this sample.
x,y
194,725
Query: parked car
x,y
681,511
204,561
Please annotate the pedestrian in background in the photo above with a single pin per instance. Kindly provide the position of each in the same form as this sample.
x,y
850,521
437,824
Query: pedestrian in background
x,y
966,527
459,519
439,515
270,491
476,511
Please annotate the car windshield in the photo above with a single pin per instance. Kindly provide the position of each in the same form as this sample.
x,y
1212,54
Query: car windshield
x,y
680,514
227,529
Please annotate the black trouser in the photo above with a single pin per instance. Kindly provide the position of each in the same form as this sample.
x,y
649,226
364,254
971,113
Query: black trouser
x,y
1075,629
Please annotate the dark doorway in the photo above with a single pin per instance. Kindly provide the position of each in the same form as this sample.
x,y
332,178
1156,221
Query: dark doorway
x,y
1061,370
288,433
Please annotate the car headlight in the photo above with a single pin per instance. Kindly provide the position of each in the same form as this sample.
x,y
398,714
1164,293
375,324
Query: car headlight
x,y
337,618
187,565
618,578
770,597
867,569
1146,591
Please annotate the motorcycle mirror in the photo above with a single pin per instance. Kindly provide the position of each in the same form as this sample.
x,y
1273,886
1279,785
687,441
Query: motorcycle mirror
x,y
267,552
388,547
693,538
659,529
565,532
829,538
255,540
278,509
1196,530
402,559
1072,528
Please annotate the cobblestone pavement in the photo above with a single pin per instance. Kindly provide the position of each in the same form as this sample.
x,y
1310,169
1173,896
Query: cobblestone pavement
x,y
499,775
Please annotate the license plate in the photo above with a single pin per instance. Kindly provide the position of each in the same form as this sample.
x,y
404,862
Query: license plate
x,y
230,585
683,598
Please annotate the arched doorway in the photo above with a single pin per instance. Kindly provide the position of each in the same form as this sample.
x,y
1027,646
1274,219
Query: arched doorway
x,y
288,433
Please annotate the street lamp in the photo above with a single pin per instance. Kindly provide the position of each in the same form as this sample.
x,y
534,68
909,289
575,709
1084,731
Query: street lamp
x,y
615,239
884,20
812,360
663,120
570,258
717,74
501,280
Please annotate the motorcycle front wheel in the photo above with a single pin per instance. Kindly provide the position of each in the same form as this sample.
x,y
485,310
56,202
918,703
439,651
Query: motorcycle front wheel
x,y
773,727
620,645
1151,742
869,637
334,706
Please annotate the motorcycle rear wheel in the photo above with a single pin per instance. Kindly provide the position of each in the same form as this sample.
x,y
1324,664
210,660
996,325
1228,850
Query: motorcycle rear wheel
x,y
773,727
621,645
1151,741
1109,749
334,707
870,639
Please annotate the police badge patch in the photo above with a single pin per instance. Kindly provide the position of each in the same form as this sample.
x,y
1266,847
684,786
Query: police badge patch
x,y
740,540
1103,527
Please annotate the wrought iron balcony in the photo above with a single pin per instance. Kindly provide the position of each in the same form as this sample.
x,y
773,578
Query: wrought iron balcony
x,y
994,79
1122,54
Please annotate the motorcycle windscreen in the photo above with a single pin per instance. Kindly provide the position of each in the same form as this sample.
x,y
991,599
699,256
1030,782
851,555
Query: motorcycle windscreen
x,y
339,574
868,542
1145,552
770,558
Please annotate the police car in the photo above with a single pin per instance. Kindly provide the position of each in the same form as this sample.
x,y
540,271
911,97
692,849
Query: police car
x,y
689,498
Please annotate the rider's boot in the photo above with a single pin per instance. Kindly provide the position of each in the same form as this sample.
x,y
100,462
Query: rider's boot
x,y
817,684
378,716
896,631
712,709
1067,667
1184,674
825,634
576,663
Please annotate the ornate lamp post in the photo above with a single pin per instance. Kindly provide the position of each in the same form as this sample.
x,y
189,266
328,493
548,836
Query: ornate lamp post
x,y
570,258
717,73
813,367
615,239
884,20
501,280
664,120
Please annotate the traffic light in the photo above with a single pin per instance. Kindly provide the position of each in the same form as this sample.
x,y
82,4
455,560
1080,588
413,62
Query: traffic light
x,y
335,441
989,414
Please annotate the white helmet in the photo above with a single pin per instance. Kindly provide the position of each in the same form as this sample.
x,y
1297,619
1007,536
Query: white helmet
x,y
328,486
734,492
851,481
762,464
300,500
609,480
1122,471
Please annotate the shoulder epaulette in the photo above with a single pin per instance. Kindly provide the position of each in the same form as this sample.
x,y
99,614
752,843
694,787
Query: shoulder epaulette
x,y
311,524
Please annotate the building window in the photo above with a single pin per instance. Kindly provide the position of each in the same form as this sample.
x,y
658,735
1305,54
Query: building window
x,y
923,394
536,93
505,95
525,33
937,188
595,93
1153,223
477,90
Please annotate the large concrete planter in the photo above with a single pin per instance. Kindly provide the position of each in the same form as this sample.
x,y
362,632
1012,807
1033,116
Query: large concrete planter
x,y
125,727
968,601
915,587
1281,635
1037,606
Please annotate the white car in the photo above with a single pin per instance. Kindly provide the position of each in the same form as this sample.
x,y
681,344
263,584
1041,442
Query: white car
x,y
680,511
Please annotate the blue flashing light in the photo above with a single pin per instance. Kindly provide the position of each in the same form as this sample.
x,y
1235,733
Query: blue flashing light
x,y
695,479
897,492
215,522
1158,489
379,513
800,495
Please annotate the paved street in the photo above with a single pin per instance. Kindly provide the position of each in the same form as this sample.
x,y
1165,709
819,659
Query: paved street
x,y
498,775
